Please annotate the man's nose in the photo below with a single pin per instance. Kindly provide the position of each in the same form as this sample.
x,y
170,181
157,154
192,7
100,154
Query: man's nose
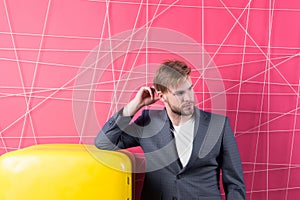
x,y
188,96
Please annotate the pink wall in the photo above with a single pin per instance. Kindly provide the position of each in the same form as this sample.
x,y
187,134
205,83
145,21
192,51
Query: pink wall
x,y
67,65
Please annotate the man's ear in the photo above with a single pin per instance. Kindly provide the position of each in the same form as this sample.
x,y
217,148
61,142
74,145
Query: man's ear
x,y
160,95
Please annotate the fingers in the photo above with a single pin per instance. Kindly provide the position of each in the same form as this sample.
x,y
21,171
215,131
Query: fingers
x,y
155,96
152,92
148,91
148,95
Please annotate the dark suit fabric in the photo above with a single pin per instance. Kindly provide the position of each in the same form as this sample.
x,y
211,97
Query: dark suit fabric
x,y
214,152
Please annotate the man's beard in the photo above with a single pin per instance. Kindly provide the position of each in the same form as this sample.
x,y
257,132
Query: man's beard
x,y
181,111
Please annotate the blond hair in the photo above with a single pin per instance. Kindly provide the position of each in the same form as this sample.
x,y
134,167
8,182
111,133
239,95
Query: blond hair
x,y
169,74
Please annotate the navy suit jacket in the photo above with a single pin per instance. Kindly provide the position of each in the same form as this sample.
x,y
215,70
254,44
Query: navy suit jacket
x,y
214,152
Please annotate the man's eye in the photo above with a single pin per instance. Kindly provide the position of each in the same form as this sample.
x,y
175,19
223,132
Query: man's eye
x,y
179,93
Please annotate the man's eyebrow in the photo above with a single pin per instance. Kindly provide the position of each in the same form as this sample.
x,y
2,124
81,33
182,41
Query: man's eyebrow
x,y
179,91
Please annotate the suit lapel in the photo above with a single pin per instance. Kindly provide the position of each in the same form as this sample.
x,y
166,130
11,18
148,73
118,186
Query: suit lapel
x,y
206,136
175,166
166,154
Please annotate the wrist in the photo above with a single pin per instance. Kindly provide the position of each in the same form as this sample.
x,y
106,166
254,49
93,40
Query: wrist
x,y
131,108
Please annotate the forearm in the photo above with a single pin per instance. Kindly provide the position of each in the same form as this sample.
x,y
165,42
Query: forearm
x,y
118,132
145,96
131,108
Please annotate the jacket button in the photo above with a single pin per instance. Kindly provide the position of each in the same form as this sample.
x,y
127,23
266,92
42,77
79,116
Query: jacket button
x,y
178,176
174,198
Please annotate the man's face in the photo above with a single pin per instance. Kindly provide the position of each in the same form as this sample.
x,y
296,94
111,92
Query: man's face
x,y
180,99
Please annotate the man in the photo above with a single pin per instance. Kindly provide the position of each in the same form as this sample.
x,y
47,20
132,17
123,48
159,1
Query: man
x,y
185,148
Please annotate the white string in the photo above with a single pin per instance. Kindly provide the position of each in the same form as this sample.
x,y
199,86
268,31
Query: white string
x,y
94,67
274,63
292,146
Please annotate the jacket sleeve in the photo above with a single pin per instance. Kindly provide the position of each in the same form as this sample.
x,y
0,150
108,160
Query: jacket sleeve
x,y
116,134
232,172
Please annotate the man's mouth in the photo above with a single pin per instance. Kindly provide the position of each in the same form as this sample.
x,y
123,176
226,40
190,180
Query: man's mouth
x,y
188,105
